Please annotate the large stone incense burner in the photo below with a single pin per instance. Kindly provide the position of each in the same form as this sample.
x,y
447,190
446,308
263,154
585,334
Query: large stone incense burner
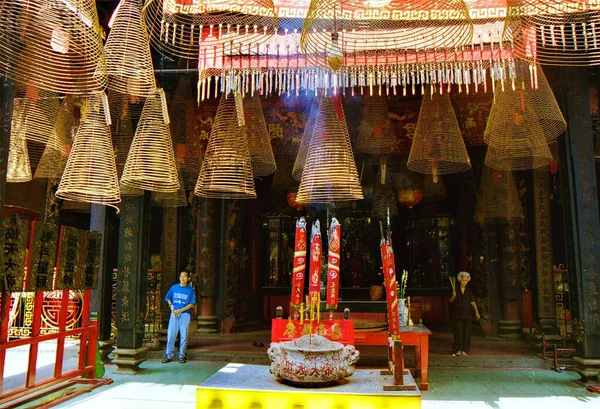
x,y
312,360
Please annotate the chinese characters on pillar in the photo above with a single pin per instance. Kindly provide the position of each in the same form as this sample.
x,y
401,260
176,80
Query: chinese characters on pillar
x,y
126,266
14,241
90,259
68,266
43,257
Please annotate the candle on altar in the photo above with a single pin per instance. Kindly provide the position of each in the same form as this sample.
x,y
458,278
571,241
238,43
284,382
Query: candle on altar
x,y
301,315
318,308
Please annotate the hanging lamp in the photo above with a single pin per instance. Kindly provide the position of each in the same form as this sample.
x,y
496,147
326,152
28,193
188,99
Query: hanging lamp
x,y
222,25
335,31
259,141
554,32
329,174
127,49
438,147
226,171
90,174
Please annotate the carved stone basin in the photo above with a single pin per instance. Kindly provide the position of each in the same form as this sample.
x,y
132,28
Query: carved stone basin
x,y
312,360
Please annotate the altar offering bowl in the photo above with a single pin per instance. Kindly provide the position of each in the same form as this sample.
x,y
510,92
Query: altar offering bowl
x,y
312,360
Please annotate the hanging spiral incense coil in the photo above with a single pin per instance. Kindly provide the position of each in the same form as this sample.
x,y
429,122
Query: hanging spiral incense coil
x,y
514,133
259,140
41,116
128,58
554,32
375,134
438,147
498,199
151,161
433,191
185,132
226,171
224,25
305,141
384,196
91,174
171,199
18,166
329,174
335,31
54,45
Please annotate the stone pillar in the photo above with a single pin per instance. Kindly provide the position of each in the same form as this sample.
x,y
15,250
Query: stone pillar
x,y
493,268
510,287
254,261
168,260
582,224
7,97
101,219
206,252
131,283
543,250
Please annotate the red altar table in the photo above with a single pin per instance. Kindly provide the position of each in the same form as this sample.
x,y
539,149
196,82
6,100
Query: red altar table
x,y
336,330
415,335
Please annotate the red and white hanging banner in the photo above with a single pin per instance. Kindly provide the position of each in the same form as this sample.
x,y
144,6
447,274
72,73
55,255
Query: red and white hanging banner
x,y
333,265
389,272
314,286
299,264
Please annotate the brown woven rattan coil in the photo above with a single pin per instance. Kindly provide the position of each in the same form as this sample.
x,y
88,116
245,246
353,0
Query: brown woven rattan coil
x,y
305,141
433,191
182,31
54,45
151,161
91,174
438,147
329,174
554,32
128,59
335,31
226,171
375,134
259,140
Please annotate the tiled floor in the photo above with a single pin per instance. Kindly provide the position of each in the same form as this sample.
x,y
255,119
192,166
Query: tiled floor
x,y
173,386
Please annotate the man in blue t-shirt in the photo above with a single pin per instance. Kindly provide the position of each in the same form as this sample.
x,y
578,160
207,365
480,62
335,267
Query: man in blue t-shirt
x,y
181,300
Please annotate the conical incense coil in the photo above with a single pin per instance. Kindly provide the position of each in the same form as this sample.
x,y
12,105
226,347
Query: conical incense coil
x,y
185,132
227,168
438,147
335,31
176,199
514,133
184,31
128,58
384,199
554,32
151,161
433,191
41,116
259,141
54,45
54,159
121,129
498,199
330,171
305,142
375,133
18,166
91,174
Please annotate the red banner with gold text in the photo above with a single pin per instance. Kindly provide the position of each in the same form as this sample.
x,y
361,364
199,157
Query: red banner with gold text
x,y
333,265
299,264
314,286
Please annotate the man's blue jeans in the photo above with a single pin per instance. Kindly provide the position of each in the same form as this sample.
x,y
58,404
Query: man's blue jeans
x,y
179,323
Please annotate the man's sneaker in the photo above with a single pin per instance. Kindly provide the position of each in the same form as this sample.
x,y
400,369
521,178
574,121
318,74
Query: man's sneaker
x,y
166,360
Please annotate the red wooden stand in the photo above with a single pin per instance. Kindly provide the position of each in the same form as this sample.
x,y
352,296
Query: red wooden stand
x,y
88,333
396,367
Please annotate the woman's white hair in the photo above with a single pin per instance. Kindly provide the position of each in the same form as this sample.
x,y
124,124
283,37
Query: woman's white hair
x,y
463,273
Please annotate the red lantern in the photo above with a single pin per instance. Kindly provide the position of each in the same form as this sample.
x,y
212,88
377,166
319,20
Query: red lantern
x,y
291,200
410,196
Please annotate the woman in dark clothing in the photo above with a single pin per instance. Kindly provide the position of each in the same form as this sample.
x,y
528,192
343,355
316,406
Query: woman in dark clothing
x,y
464,303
